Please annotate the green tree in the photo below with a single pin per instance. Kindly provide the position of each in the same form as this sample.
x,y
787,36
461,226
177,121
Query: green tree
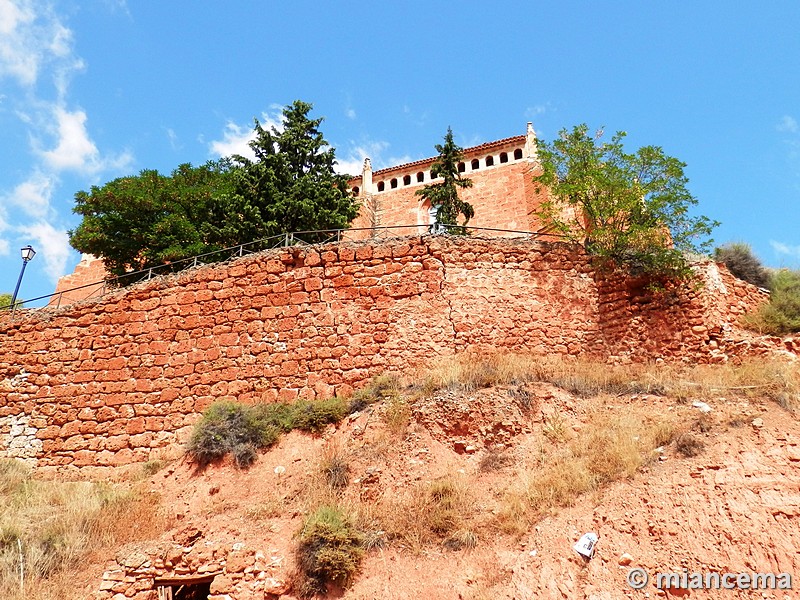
x,y
628,209
138,222
444,194
291,185
134,223
5,301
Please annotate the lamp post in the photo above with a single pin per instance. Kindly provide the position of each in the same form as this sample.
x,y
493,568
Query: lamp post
x,y
27,254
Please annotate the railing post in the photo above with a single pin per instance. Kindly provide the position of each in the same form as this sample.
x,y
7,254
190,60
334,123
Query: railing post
x,y
286,240
149,273
241,250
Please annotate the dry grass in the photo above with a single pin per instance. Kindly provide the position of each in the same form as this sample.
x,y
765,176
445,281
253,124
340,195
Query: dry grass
x,y
335,467
48,528
439,511
612,447
397,415
779,381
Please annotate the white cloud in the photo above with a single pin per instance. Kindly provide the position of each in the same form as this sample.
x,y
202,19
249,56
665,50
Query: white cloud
x,y
51,244
173,139
32,35
235,137
33,195
20,52
350,113
351,161
788,124
75,150
235,140
535,111
785,250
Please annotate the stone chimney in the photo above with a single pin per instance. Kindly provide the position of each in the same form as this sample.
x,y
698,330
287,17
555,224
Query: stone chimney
x,y
531,147
366,178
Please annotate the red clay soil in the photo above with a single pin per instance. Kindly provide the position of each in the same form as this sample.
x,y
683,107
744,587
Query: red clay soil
x,y
732,508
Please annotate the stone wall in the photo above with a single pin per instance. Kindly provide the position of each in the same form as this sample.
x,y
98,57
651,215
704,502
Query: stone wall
x,y
231,570
105,383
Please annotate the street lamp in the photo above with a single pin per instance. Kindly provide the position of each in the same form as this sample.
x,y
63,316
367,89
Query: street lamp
x,y
27,255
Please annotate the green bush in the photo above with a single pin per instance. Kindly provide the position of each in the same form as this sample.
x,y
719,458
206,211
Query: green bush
x,y
241,430
314,416
741,261
230,427
330,551
781,315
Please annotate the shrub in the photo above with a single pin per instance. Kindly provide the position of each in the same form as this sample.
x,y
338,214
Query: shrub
x,y
741,261
781,315
230,427
241,430
335,469
689,445
314,416
330,551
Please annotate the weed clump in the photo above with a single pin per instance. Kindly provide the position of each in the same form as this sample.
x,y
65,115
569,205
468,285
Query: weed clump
x,y
435,512
330,550
242,430
228,427
689,445
781,315
741,261
48,528
335,469
383,387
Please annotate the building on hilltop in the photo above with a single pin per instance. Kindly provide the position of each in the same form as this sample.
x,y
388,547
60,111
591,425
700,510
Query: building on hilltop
x,y
503,194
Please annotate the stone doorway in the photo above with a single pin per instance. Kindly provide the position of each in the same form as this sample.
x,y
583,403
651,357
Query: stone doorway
x,y
196,587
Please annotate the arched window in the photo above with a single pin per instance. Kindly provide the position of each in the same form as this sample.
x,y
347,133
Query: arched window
x,y
504,157
393,183
355,191
381,186
476,164
420,177
462,167
407,180
518,154
490,161
433,176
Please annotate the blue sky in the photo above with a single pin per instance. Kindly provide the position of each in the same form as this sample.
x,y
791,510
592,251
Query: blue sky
x,y
97,89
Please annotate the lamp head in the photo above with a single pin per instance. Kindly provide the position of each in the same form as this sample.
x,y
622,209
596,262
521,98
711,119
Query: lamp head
x,y
27,253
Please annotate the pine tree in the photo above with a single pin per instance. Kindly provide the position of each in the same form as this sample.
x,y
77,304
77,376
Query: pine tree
x,y
292,186
443,195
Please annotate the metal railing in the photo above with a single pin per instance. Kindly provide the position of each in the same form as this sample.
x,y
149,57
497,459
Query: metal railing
x,y
283,240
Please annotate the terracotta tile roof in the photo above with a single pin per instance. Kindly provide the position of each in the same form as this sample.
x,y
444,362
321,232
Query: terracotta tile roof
x,y
517,139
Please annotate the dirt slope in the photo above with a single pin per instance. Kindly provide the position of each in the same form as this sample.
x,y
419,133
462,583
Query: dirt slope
x,y
734,507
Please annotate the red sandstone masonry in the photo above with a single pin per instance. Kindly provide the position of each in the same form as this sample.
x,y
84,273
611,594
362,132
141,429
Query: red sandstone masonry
x,y
106,383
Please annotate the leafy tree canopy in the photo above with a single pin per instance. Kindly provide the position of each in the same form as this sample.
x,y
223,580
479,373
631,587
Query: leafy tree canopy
x,y
138,222
627,209
134,223
444,194
5,301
